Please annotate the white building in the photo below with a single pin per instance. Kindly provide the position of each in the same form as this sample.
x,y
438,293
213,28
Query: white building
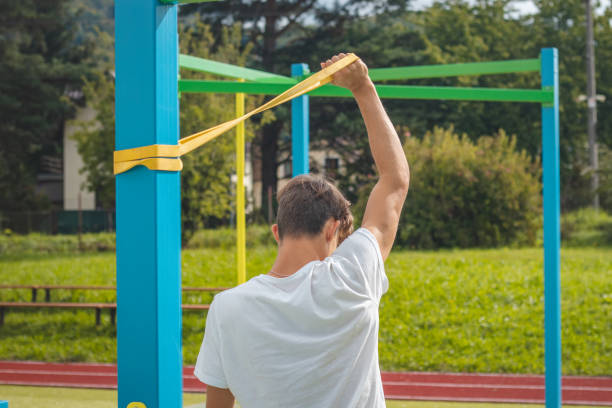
x,y
75,195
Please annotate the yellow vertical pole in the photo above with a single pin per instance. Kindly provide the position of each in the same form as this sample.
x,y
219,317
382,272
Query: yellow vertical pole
x,y
240,216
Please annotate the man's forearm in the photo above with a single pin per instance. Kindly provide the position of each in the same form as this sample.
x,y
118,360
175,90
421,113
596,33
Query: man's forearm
x,y
382,213
384,142
219,397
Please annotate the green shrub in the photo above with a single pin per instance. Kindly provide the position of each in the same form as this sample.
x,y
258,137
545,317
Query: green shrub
x,y
586,227
257,235
467,194
32,244
35,243
605,177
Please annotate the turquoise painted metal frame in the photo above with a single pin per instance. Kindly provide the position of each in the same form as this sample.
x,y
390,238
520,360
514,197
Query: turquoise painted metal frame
x,y
148,202
262,83
148,240
552,229
300,126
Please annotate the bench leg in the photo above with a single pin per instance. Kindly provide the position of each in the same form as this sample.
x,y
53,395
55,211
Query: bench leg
x,y
97,316
33,295
47,295
1,316
113,313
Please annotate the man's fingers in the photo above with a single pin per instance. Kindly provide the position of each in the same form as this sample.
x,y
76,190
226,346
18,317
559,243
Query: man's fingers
x,y
352,67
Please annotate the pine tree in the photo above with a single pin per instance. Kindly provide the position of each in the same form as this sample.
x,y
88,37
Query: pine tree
x,y
276,28
41,66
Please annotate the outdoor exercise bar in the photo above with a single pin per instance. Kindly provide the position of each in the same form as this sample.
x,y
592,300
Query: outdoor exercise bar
x,y
148,202
547,96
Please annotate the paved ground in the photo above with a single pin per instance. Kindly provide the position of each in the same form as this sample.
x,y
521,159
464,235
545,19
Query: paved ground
x,y
399,386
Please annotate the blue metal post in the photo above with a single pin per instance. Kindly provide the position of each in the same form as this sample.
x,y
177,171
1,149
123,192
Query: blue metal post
x,y
3,404
552,231
299,126
148,208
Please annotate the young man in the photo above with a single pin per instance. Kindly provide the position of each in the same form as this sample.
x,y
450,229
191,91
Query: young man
x,y
306,333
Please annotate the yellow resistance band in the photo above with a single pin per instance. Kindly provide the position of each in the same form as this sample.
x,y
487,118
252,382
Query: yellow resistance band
x,y
167,157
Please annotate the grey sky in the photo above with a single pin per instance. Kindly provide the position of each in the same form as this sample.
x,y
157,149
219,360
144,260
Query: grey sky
x,y
525,6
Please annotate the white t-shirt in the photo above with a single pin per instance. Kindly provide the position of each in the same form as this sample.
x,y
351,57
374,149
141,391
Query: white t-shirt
x,y
308,340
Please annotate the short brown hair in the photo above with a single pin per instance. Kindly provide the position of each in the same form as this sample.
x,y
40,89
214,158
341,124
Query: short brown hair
x,y
307,202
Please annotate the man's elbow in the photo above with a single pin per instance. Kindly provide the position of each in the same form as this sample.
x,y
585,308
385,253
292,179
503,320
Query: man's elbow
x,y
401,180
405,178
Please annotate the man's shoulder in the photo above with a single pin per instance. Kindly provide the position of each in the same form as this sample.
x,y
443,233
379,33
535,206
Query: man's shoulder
x,y
361,243
230,296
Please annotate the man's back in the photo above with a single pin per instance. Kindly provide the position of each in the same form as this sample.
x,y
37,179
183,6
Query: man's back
x,y
307,340
310,339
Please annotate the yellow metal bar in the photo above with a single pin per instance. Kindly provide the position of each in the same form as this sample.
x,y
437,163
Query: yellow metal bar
x,y
240,216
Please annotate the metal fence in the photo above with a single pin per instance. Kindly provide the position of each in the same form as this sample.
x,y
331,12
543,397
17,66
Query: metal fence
x,y
58,222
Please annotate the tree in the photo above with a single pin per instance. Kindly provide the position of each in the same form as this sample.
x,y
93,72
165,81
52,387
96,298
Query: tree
x,y
41,67
561,23
603,58
207,198
466,193
336,123
449,32
96,138
206,176
390,35
465,31
276,28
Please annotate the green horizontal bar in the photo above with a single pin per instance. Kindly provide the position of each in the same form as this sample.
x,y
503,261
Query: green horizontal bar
x,y
464,94
194,85
231,71
385,91
438,71
376,74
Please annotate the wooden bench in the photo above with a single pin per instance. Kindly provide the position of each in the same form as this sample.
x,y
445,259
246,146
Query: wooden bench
x,y
98,306
48,288
112,307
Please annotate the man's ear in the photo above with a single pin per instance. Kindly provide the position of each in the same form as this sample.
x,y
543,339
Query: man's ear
x,y
274,229
331,229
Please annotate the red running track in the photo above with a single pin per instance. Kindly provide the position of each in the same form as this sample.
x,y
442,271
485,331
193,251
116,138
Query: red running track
x,y
401,386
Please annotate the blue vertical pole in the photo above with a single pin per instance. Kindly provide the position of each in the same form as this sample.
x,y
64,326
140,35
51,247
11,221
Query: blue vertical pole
x,y
299,126
552,231
3,404
148,208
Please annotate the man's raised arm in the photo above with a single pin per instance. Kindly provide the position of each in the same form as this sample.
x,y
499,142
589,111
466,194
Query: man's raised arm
x,y
384,206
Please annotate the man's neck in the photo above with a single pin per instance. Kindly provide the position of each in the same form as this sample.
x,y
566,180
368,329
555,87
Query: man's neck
x,y
294,253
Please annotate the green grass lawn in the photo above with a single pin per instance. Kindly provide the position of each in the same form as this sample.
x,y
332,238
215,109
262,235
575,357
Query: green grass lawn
x,y
462,310
27,397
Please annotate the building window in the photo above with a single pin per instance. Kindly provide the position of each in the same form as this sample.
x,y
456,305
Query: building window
x,y
331,164
331,167
287,169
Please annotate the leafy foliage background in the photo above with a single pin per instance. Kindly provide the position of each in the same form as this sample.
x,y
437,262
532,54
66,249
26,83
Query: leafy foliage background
x,y
57,56
466,193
